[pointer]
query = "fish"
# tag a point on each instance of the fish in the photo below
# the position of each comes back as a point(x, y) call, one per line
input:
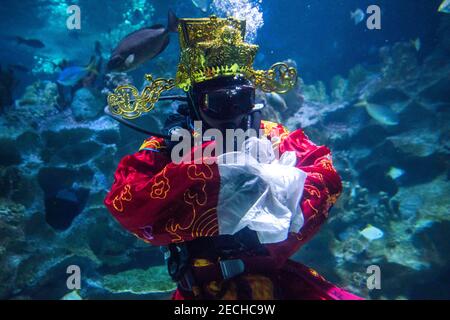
point(357, 16)
point(335, 44)
point(445, 6)
point(380, 113)
point(60, 65)
point(64, 205)
point(371, 233)
point(417, 44)
point(202, 4)
point(19, 67)
point(74, 295)
point(142, 45)
point(71, 75)
point(33, 43)
point(395, 173)
point(276, 101)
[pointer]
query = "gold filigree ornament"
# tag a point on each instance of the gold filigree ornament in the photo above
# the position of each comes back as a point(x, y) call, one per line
point(210, 48)
point(127, 102)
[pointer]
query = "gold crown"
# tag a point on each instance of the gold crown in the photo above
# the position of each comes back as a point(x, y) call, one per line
point(210, 48)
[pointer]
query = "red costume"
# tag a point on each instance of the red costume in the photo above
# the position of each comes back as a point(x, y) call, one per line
point(161, 203)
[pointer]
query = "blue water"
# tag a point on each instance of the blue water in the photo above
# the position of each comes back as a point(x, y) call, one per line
point(396, 177)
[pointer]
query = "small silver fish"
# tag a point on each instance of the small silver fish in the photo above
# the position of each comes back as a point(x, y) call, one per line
point(445, 6)
point(357, 16)
point(380, 113)
point(371, 233)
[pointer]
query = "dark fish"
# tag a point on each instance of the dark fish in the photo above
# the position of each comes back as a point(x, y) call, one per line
point(142, 45)
point(62, 207)
point(19, 67)
point(34, 43)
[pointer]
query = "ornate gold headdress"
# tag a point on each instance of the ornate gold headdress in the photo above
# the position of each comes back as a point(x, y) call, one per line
point(210, 48)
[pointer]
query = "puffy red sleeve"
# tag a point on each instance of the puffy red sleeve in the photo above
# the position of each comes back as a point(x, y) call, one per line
point(322, 188)
point(161, 202)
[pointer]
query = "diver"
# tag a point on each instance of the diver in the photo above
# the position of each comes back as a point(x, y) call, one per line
point(227, 231)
